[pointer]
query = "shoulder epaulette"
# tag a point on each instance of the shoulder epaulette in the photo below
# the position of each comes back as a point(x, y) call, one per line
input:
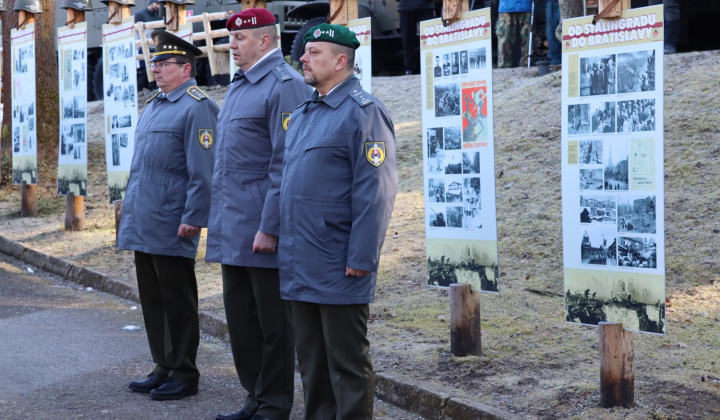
point(152, 97)
point(281, 73)
point(196, 93)
point(361, 97)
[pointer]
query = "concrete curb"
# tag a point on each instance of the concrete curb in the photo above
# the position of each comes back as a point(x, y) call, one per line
point(403, 392)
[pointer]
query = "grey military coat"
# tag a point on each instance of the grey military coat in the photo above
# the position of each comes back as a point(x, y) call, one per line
point(170, 174)
point(248, 164)
point(337, 195)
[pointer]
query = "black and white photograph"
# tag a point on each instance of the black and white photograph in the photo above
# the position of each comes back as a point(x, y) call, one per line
point(67, 139)
point(124, 121)
point(471, 162)
point(634, 301)
point(454, 216)
point(463, 62)
point(72, 179)
point(436, 216)
point(591, 179)
point(79, 107)
point(437, 68)
point(636, 72)
point(116, 150)
point(636, 214)
point(22, 58)
point(436, 164)
point(452, 138)
point(598, 209)
point(478, 59)
point(446, 64)
point(129, 49)
point(454, 193)
point(123, 138)
point(579, 119)
point(24, 169)
point(638, 115)
point(462, 261)
point(78, 133)
point(455, 63)
point(453, 164)
point(616, 166)
point(599, 246)
point(597, 75)
point(115, 70)
point(637, 252)
point(436, 190)
point(78, 78)
point(447, 100)
point(603, 117)
point(69, 109)
point(78, 152)
point(591, 152)
point(118, 93)
point(16, 140)
point(435, 141)
point(31, 124)
point(471, 203)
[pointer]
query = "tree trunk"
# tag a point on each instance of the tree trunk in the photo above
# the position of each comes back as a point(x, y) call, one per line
point(568, 9)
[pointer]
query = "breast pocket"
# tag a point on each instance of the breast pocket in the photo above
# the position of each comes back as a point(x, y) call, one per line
point(326, 169)
point(247, 141)
point(165, 149)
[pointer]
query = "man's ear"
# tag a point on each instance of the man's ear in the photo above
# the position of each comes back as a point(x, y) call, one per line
point(341, 62)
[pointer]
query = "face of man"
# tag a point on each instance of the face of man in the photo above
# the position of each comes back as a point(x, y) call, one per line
point(437, 61)
point(245, 45)
point(169, 74)
point(319, 64)
point(154, 7)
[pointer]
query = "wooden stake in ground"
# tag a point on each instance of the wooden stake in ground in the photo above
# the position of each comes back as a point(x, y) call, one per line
point(464, 321)
point(28, 192)
point(617, 374)
point(253, 4)
point(451, 10)
point(342, 11)
point(175, 14)
point(74, 206)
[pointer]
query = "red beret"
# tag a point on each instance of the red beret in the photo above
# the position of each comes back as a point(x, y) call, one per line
point(250, 18)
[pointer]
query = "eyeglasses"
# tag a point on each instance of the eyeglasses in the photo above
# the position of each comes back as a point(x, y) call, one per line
point(161, 65)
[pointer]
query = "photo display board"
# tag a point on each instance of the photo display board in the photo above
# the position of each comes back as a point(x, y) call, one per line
point(459, 151)
point(121, 111)
point(612, 170)
point(24, 115)
point(72, 82)
point(363, 55)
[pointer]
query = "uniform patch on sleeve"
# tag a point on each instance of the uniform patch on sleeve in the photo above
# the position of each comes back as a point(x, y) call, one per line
point(205, 137)
point(285, 120)
point(375, 152)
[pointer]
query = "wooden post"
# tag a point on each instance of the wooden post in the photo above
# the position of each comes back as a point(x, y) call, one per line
point(175, 16)
point(342, 11)
point(117, 12)
point(253, 4)
point(74, 212)
point(118, 215)
point(212, 59)
point(464, 321)
point(28, 200)
point(614, 12)
point(145, 47)
point(451, 10)
point(617, 375)
point(25, 17)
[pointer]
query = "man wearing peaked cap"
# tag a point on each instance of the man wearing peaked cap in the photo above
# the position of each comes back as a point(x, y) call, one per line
point(166, 204)
point(338, 189)
point(244, 214)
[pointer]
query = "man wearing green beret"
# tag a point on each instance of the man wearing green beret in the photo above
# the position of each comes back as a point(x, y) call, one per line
point(338, 189)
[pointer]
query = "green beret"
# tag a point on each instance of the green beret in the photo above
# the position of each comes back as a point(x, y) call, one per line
point(336, 34)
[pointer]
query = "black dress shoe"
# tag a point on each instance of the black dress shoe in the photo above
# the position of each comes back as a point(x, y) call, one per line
point(173, 389)
point(146, 385)
point(240, 415)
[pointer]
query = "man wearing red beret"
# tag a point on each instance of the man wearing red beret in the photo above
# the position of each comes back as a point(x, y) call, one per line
point(245, 216)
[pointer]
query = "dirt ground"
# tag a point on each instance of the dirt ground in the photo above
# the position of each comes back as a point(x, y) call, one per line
point(534, 364)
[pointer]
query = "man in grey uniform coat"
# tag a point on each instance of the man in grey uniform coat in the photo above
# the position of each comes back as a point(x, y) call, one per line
point(166, 203)
point(245, 214)
point(337, 195)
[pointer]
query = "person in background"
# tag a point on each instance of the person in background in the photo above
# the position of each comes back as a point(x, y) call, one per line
point(671, 8)
point(412, 12)
point(513, 24)
point(166, 204)
point(245, 214)
point(338, 190)
point(150, 14)
point(552, 20)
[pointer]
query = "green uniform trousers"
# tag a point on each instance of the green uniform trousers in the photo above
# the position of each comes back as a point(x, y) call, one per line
point(333, 355)
point(261, 338)
point(169, 299)
point(508, 28)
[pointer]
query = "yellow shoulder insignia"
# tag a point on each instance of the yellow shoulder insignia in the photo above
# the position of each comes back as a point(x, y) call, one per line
point(196, 93)
point(152, 97)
